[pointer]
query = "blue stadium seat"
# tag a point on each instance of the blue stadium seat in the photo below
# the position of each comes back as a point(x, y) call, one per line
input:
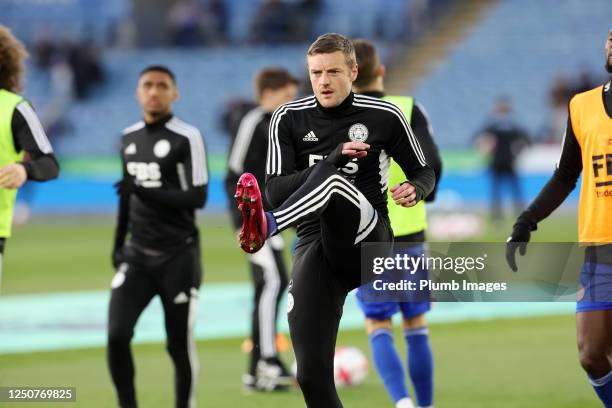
point(516, 50)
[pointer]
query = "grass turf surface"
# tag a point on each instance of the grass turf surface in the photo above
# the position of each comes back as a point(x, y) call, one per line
point(67, 254)
point(502, 363)
point(515, 363)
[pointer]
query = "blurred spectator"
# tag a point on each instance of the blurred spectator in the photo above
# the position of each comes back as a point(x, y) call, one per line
point(86, 66)
point(305, 12)
point(561, 91)
point(83, 61)
point(272, 22)
point(185, 21)
point(44, 51)
point(584, 82)
point(503, 139)
point(214, 22)
point(558, 98)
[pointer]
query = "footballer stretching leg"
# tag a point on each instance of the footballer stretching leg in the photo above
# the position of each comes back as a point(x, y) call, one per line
point(324, 265)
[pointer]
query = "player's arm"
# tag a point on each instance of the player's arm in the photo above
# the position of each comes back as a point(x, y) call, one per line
point(123, 219)
point(235, 167)
point(424, 133)
point(405, 149)
point(556, 190)
point(29, 136)
point(282, 179)
point(231, 179)
point(193, 177)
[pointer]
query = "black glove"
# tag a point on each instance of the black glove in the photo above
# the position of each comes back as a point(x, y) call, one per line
point(521, 234)
point(336, 157)
point(125, 187)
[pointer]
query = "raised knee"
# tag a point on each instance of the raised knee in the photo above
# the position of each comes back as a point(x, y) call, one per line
point(324, 168)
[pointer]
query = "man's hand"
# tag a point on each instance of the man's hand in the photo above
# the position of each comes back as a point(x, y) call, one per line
point(404, 194)
point(521, 234)
point(345, 152)
point(355, 150)
point(125, 187)
point(13, 176)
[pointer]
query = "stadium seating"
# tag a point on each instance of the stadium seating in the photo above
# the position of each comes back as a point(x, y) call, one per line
point(516, 50)
point(207, 80)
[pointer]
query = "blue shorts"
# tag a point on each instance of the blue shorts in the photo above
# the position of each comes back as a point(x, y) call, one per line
point(595, 291)
point(384, 310)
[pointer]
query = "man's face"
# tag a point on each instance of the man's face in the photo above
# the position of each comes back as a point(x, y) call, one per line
point(608, 49)
point(156, 92)
point(331, 78)
point(276, 97)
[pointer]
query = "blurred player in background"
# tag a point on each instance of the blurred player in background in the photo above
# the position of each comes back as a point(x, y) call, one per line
point(25, 151)
point(324, 178)
point(587, 148)
point(502, 140)
point(273, 87)
point(408, 225)
point(165, 177)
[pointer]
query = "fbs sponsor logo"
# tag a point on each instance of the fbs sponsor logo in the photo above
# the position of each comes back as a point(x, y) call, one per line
point(310, 137)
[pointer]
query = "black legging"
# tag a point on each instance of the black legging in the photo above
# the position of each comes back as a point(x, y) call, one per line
point(176, 282)
point(325, 268)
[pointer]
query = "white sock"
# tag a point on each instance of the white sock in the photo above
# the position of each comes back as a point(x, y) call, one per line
point(404, 403)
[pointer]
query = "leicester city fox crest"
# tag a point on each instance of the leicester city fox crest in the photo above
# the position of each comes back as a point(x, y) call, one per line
point(358, 132)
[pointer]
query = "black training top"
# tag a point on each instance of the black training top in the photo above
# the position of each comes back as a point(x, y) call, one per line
point(303, 132)
point(248, 154)
point(29, 136)
point(166, 161)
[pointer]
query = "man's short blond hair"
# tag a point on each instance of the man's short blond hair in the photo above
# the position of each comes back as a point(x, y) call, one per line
point(332, 42)
point(12, 56)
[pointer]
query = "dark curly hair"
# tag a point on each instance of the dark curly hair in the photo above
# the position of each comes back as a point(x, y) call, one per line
point(12, 56)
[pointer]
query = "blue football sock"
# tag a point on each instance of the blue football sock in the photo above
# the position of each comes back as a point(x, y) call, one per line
point(271, 221)
point(420, 364)
point(603, 388)
point(388, 364)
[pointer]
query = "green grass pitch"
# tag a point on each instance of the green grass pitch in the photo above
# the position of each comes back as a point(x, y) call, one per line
point(514, 363)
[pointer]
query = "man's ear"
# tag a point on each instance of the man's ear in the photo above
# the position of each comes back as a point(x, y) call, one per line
point(354, 72)
point(381, 71)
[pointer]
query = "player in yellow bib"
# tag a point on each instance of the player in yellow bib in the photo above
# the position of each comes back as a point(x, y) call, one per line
point(25, 151)
point(409, 225)
point(587, 148)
